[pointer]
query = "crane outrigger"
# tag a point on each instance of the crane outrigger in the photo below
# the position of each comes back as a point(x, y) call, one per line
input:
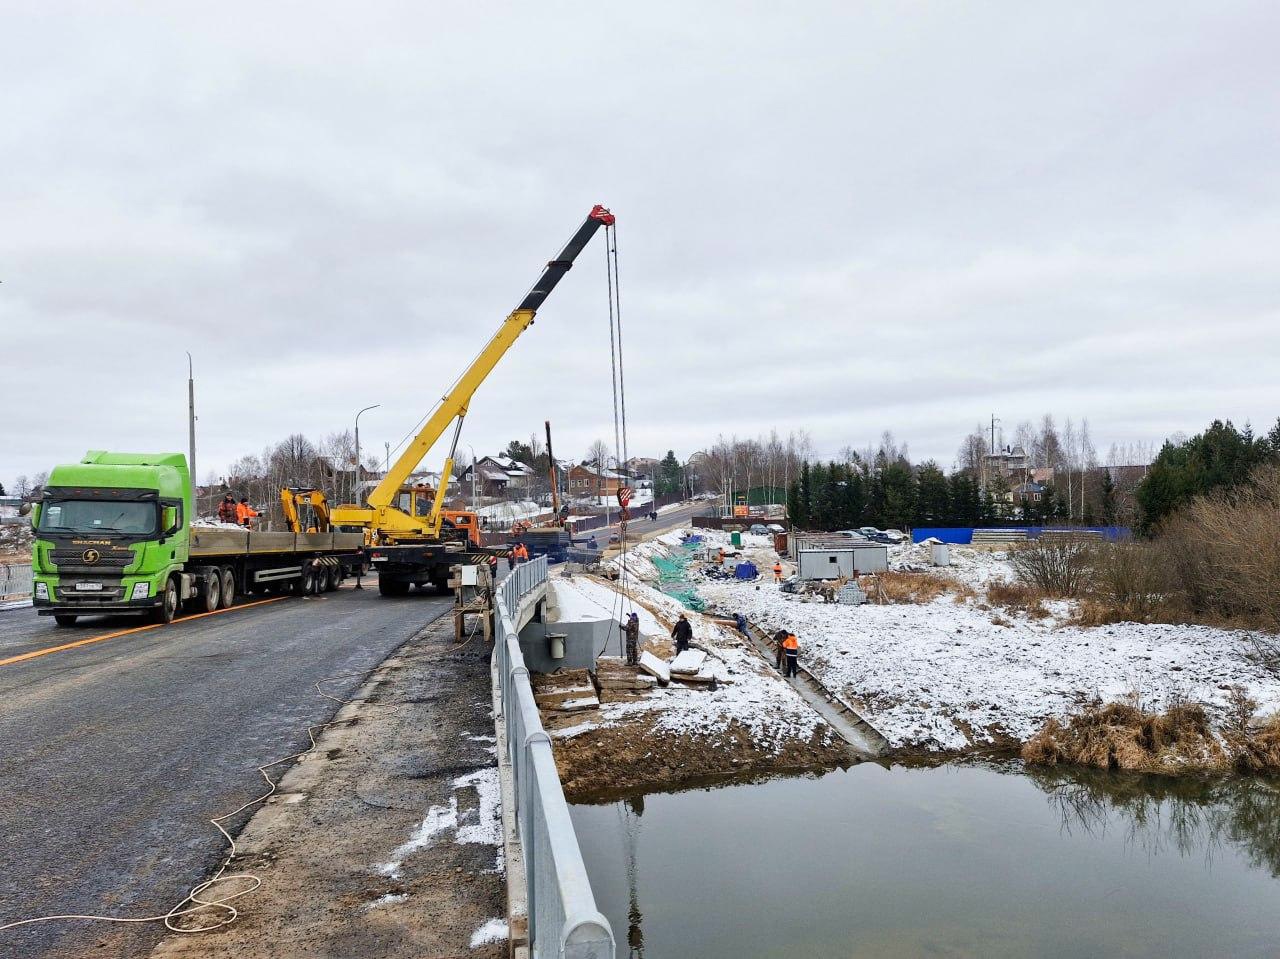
point(409, 548)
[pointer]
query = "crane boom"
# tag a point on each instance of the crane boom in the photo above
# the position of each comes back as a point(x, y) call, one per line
point(384, 518)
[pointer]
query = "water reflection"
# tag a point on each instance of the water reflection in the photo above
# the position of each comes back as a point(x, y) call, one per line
point(1161, 814)
point(956, 861)
point(631, 810)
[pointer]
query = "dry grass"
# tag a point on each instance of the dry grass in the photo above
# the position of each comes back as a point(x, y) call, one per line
point(1180, 739)
point(1259, 750)
point(1018, 597)
point(1123, 736)
point(915, 588)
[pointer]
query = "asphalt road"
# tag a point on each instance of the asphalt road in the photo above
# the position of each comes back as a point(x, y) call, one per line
point(115, 754)
point(641, 527)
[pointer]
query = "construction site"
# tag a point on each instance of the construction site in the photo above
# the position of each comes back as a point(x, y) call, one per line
point(358, 600)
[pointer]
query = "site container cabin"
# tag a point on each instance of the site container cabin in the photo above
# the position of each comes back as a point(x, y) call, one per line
point(846, 561)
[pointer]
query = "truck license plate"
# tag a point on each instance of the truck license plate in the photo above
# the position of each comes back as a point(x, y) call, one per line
point(89, 587)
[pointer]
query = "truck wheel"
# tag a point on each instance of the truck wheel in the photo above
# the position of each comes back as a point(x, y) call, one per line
point(65, 619)
point(305, 585)
point(392, 587)
point(331, 580)
point(228, 588)
point(168, 602)
point(211, 594)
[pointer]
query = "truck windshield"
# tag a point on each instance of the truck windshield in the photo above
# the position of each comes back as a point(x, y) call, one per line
point(98, 516)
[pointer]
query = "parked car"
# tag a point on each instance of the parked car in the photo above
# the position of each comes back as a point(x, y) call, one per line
point(775, 528)
point(895, 535)
point(758, 529)
point(869, 531)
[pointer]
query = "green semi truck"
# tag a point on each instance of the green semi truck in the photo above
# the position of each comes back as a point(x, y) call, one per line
point(114, 534)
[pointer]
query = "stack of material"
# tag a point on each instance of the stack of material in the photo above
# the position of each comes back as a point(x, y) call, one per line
point(851, 594)
point(693, 666)
point(567, 691)
point(998, 537)
point(620, 683)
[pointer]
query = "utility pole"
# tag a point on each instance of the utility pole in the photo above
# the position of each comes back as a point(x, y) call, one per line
point(191, 433)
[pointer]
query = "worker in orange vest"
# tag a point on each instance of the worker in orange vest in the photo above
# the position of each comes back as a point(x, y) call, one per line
point(522, 553)
point(791, 646)
point(777, 571)
point(245, 513)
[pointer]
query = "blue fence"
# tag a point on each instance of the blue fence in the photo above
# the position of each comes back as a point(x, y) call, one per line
point(963, 535)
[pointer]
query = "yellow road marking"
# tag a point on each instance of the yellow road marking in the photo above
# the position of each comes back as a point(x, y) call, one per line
point(35, 653)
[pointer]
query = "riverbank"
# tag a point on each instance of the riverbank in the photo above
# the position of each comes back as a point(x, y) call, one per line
point(747, 723)
point(956, 662)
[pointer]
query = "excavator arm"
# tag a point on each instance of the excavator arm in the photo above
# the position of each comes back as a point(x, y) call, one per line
point(381, 516)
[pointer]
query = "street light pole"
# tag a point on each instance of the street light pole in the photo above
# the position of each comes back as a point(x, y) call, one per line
point(191, 434)
point(365, 410)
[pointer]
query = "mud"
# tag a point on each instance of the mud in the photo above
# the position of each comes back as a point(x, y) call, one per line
point(610, 763)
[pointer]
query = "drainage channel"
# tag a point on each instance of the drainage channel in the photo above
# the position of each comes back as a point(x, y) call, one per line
point(861, 736)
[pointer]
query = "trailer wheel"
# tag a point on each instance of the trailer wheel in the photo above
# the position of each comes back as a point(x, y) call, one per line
point(65, 619)
point(306, 584)
point(228, 587)
point(168, 602)
point(335, 578)
point(211, 594)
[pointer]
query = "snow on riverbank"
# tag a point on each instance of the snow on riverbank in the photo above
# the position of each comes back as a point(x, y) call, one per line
point(945, 674)
point(751, 695)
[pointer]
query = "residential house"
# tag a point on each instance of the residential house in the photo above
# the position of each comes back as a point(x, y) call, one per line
point(588, 480)
point(499, 476)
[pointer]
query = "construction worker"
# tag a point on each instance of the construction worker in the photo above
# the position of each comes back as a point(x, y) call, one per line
point(511, 556)
point(632, 631)
point(227, 510)
point(522, 553)
point(245, 513)
point(791, 646)
point(778, 639)
point(682, 633)
point(777, 571)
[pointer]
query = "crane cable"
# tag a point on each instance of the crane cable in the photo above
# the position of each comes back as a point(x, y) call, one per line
point(623, 602)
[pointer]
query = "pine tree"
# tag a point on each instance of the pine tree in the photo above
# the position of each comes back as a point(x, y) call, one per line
point(1108, 499)
point(670, 476)
point(934, 496)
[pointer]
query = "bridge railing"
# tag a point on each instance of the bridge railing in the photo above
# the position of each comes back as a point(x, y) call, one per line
point(563, 919)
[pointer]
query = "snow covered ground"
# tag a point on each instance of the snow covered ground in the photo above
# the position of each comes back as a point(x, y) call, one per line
point(510, 512)
point(945, 674)
point(750, 695)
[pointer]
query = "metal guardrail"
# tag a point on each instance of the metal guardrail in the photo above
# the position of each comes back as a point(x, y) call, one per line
point(563, 919)
point(15, 580)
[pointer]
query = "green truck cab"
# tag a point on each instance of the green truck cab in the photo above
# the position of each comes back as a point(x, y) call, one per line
point(114, 534)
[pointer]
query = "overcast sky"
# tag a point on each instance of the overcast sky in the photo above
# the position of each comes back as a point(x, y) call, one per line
point(842, 217)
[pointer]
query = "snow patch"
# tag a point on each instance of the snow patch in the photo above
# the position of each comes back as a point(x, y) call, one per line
point(495, 930)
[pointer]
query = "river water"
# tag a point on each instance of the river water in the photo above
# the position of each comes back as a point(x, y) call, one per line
point(959, 860)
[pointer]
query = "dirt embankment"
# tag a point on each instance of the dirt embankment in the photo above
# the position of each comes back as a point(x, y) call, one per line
point(609, 763)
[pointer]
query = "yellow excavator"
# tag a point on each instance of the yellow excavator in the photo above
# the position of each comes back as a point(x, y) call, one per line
point(406, 547)
point(306, 510)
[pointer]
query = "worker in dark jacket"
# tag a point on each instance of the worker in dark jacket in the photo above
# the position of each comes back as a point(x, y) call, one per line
point(632, 631)
point(227, 510)
point(682, 633)
point(779, 638)
point(791, 646)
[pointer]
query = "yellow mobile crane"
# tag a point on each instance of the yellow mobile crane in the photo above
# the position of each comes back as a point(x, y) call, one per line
point(407, 548)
